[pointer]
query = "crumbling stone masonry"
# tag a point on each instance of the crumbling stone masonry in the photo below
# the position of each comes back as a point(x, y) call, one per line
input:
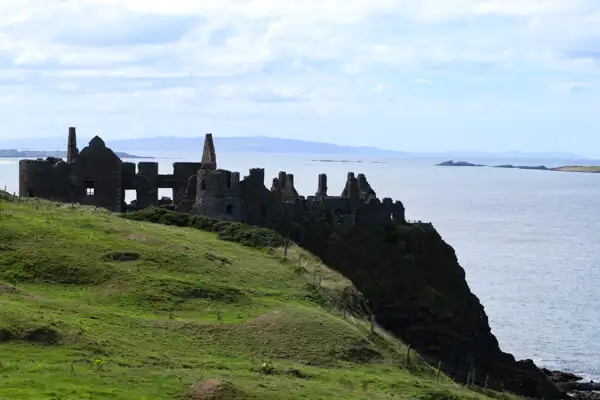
point(96, 176)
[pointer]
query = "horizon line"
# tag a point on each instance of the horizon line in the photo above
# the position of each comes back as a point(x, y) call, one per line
point(449, 152)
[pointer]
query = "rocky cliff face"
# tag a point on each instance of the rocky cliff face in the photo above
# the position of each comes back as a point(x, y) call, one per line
point(418, 291)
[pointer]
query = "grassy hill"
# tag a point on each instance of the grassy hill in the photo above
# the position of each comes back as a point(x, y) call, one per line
point(95, 306)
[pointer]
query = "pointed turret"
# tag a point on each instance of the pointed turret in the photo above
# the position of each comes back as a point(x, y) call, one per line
point(209, 157)
point(72, 150)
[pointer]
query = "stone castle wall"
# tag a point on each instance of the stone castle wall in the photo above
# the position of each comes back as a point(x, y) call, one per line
point(96, 176)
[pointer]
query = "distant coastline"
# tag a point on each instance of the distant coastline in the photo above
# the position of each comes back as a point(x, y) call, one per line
point(591, 169)
point(278, 145)
point(13, 153)
point(349, 161)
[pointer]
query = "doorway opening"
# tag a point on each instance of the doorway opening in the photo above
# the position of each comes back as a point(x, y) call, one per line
point(130, 200)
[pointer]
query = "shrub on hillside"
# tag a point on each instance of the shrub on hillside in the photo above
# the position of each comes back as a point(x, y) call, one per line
point(247, 235)
point(39, 266)
point(5, 195)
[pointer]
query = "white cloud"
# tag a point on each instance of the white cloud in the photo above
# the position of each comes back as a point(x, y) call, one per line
point(263, 30)
point(253, 56)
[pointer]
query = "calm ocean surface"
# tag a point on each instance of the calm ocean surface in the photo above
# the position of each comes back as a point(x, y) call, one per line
point(528, 240)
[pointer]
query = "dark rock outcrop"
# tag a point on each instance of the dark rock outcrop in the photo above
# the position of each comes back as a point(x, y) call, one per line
point(534, 167)
point(451, 163)
point(580, 386)
point(561, 377)
point(585, 396)
point(574, 385)
point(418, 291)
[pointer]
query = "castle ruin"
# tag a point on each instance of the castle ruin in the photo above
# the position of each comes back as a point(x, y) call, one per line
point(97, 176)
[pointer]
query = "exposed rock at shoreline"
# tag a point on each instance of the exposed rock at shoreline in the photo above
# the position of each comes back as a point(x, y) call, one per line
point(561, 377)
point(571, 384)
point(585, 395)
point(580, 386)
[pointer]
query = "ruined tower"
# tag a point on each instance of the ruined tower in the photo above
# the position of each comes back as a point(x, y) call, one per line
point(289, 192)
point(322, 188)
point(365, 189)
point(209, 157)
point(72, 150)
point(214, 186)
point(351, 189)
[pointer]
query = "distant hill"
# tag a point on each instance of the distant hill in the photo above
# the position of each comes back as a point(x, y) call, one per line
point(14, 153)
point(229, 144)
point(253, 144)
point(266, 144)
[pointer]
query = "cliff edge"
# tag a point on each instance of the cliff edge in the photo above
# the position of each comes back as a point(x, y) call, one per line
point(417, 290)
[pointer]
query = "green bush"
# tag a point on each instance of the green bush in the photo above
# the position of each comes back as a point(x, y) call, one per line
point(5, 195)
point(244, 234)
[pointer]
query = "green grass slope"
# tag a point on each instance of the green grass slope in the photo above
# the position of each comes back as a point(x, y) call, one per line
point(94, 306)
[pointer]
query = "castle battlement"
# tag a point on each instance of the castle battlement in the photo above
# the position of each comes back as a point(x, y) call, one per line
point(96, 176)
point(39, 161)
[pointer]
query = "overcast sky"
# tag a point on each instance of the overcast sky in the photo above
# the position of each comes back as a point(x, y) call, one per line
point(416, 75)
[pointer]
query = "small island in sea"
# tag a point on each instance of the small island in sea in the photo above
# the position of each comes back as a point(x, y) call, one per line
point(564, 168)
point(14, 153)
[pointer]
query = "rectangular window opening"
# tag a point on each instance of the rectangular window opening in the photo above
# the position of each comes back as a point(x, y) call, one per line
point(89, 187)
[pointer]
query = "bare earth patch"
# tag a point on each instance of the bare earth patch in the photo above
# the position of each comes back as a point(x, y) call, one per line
point(139, 238)
point(7, 288)
point(266, 320)
point(214, 389)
